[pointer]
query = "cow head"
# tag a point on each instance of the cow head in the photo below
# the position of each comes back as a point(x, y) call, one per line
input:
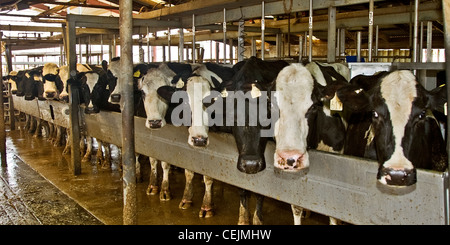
point(12, 79)
point(305, 121)
point(64, 76)
point(155, 106)
point(33, 86)
point(50, 80)
point(404, 135)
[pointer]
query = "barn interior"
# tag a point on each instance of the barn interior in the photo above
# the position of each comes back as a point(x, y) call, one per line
point(406, 34)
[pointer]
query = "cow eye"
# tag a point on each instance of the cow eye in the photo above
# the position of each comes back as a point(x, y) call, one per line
point(422, 114)
point(374, 114)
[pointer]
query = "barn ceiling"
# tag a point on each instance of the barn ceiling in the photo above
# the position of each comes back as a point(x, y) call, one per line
point(395, 17)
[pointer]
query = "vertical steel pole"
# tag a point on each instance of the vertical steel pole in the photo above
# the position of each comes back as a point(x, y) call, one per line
point(331, 44)
point(224, 36)
point(376, 42)
point(358, 46)
point(101, 48)
point(420, 53)
point(148, 46)
point(446, 14)
point(370, 30)
point(429, 41)
point(74, 99)
point(263, 28)
point(181, 46)
point(415, 38)
point(126, 77)
point(169, 44)
point(193, 40)
point(310, 29)
point(241, 41)
point(2, 119)
point(300, 49)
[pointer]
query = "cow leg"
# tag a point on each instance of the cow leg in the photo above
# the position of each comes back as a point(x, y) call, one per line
point(107, 158)
point(257, 217)
point(164, 195)
point(82, 145)
point(207, 209)
point(153, 188)
point(87, 156)
point(51, 134)
point(99, 156)
point(32, 127)
point(68, 147)
point(58, 136)
point(297, 212)
point(244, 215)
point(138, 170)
point(27, 122)
point(188, 193)
point(38, 131)
point(334, 221)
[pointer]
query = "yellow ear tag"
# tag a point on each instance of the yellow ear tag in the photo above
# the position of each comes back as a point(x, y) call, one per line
point(255, 91)
point(180, 84)
point(27, 75)
point(137, 74)
point(336, 104)
point(224, 93)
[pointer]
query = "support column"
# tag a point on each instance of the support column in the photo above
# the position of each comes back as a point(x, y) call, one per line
point(331, 44)
point(2, 121)
point(127, 108)
point(310, 29)
point(370, 30)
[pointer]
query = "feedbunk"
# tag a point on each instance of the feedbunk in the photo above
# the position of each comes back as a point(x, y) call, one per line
point(343, 187)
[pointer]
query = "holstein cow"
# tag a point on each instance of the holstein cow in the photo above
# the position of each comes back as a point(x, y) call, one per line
point(255, 76)
point(402, 134)
point(140, 72)
point(198, 85)
point(305, 120)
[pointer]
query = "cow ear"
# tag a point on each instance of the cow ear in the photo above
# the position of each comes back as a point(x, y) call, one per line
point(437, 98)
point(354, 98)
point(166, 92)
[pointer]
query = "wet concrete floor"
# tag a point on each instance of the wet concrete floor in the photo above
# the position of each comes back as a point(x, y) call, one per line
point(38, 187)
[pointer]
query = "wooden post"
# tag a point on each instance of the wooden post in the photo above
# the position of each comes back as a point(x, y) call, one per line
point(74, 100)
point(128, 149)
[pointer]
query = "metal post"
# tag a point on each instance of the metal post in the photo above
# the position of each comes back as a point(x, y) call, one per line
point(128, 149)
point(376, 41)
point(370, 30)
point(310, 29)
point(224, 36)
point(358, 46)
point(181, 46)
point(74, 100)
point(241, 41)
point(253, 46)
point(193, 40)
point(420, 53)
point(429, 41)
point(169, 44)
point(342, 43)
point(300, 49)
point(415, 38)
point(446, 13)
point(101, 48)
point(2, 120)
point(148, 45)
point(80, 50)
point(263, 28)
point(331, 44)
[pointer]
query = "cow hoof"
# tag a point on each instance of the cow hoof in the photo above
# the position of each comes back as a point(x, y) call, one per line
point(306, 214)
point(86, 159)
point(164, 195)
point(206, 212)
point(152, 190)
point(185, 204)
point(257, 220)
point(66, 151)
point(243, 221)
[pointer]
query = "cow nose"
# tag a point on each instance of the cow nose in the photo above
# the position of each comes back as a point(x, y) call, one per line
point(115, 98)
point(90, 110)
point(65, 98)
point(14, 91)
point(290, 161)
point(29, 97)
point(251, 164)
point(397, 177)
point(154, 123)
point(200, 141)
point(50, 95)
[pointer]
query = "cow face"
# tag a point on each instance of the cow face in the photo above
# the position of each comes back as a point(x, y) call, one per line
point(155, 106)
point(13, 79)
point(33, 86)
point(64, 76)
point(401, 128)
point(306, 121)
point(50, 79)
point(113, 73)
point(90, 92)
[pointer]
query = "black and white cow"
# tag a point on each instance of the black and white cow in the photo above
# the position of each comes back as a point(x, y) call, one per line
point(32, 84)
point(52, 85)
point(400, 130)
point(305, 119)
point(140, 72)
point(198, 85)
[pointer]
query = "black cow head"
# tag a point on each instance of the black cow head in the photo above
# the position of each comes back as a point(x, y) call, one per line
point(405, 134)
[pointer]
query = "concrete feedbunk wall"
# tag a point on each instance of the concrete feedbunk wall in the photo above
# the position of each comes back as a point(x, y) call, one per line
point(339, 186)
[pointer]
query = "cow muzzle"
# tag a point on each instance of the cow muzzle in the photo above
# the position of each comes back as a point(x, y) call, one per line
point(154, 124)
point(91, 110)
point(291, 160)
point(29, 97)
point(397, 177)
point(115, 98)
point(251, 164)
point(14, 91)
point(50, 95)
point(200, 141)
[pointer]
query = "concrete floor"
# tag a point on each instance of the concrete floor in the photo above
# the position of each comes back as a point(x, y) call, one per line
point(38, 187)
